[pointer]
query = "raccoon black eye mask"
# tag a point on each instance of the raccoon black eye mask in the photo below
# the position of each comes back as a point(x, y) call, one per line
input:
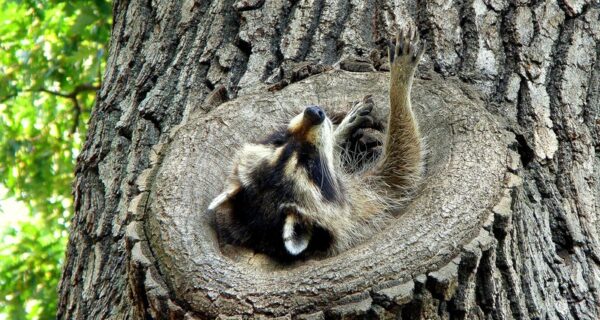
point(289, 195)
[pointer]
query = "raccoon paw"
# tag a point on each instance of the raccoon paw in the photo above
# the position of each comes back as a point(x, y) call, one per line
point(359, 117)
point(406, 52)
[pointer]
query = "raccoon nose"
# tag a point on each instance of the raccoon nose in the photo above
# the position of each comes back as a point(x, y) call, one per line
point(314, 115)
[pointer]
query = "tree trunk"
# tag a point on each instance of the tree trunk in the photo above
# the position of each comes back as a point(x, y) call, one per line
point(505, 225)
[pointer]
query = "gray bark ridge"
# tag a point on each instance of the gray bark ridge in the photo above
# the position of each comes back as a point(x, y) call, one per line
point(466, 164)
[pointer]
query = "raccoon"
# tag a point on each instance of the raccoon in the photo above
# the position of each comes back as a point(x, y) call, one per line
point(290, 196)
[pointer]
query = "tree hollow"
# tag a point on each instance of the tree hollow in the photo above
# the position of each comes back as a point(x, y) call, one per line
point(465, 165)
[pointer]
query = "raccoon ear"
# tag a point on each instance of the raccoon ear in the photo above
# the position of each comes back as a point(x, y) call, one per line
point(223, 198)
point(296, 234)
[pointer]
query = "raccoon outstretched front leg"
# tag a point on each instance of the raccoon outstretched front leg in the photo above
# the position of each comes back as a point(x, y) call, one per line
point(401, 165)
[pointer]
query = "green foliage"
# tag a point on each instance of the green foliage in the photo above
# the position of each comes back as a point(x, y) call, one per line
point(52, 55)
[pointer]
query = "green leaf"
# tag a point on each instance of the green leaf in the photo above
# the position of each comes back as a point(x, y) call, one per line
point(84, 19)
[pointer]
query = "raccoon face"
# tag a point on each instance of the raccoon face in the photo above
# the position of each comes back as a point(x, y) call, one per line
point(277, 188)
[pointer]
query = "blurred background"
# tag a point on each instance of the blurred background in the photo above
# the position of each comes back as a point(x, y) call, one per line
point(52, 57)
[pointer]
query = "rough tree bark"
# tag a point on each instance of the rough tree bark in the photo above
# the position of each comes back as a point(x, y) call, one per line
point(520, 81)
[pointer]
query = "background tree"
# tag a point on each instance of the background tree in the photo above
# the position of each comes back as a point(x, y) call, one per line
point(52, 54)
point(535, 65)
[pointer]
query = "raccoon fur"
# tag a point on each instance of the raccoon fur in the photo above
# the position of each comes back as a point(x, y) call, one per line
point(291, 196)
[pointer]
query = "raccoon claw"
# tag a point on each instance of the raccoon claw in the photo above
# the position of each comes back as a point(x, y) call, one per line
point(363, 107)
point(359, 113)
point(407, 49)
point(362, 121)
